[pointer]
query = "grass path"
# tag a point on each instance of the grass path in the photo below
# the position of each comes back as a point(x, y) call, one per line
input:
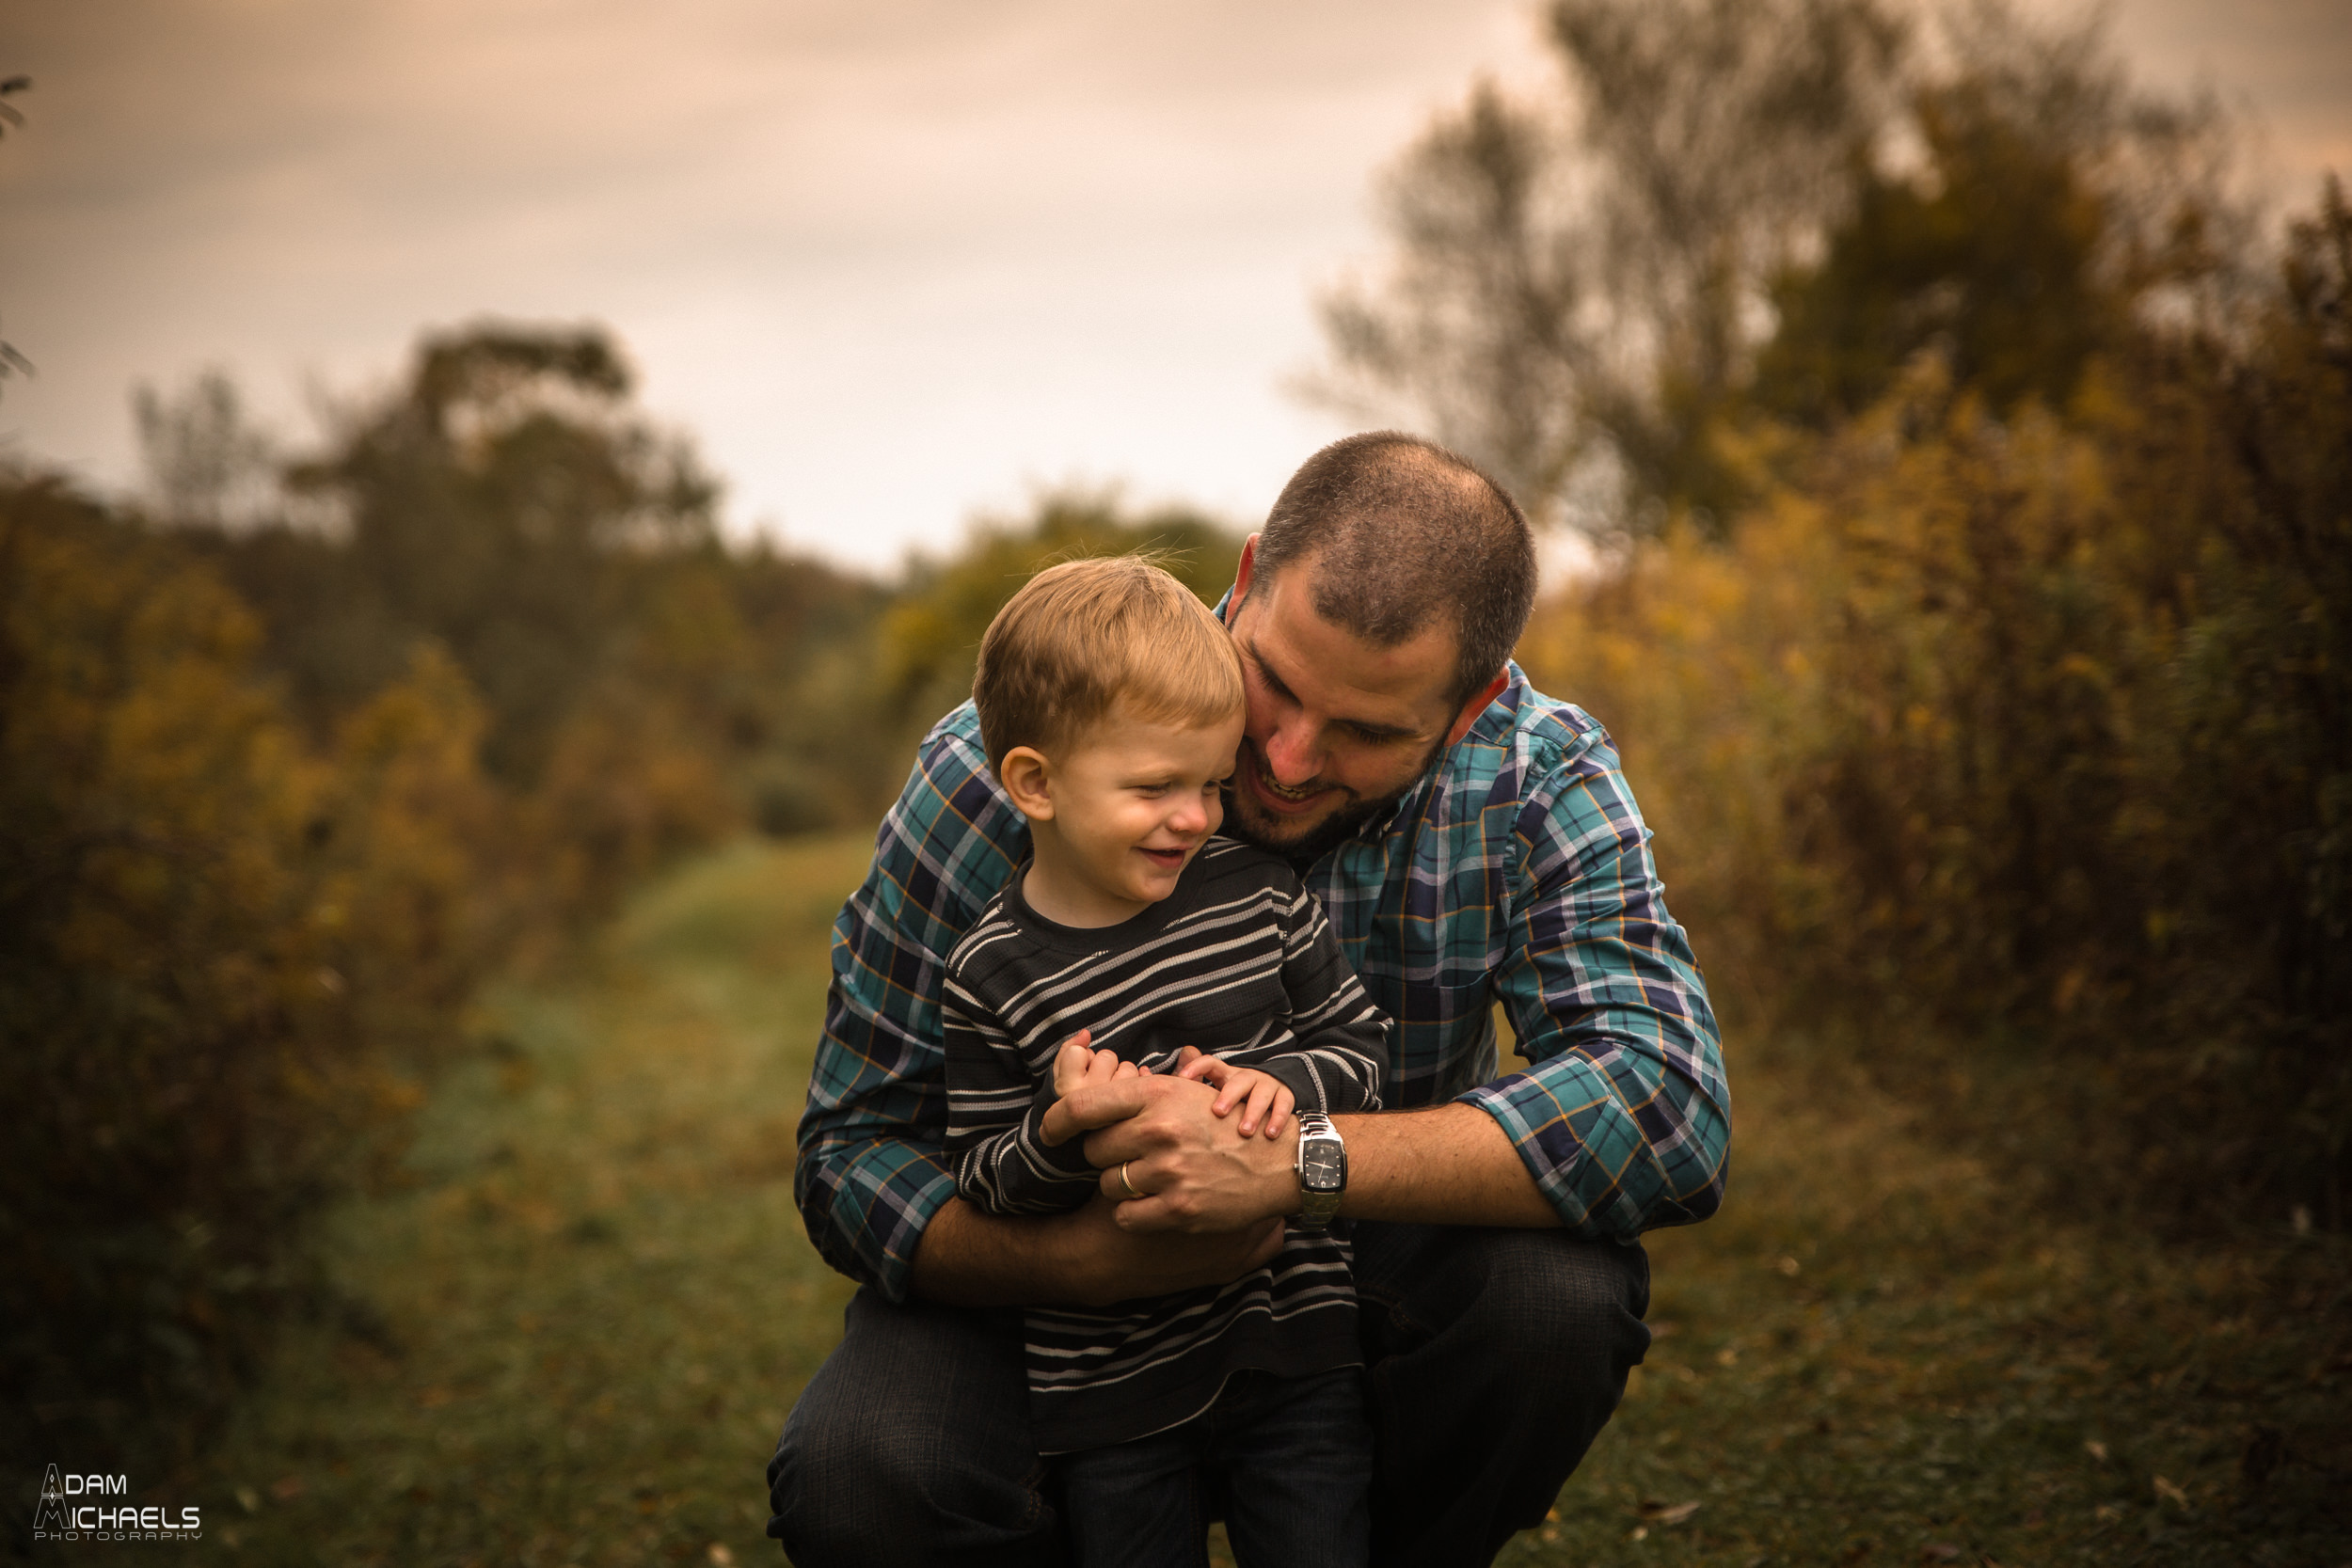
point(578, 1327)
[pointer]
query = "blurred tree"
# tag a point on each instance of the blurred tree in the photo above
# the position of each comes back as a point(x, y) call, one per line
point(206, 464)
point(495, 504)
point(1746, 208)
point(2019, 750)
point(931, 638)
point(647, 686)
point(2046, 215)
point(13, 362)
point(221, 952)
point(1574, 287)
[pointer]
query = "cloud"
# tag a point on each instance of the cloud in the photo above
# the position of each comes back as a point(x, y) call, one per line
point(888, 259)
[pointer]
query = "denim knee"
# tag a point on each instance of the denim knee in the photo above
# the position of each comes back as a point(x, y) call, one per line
point(1537, 1315)
point(912, 1445)
point(1564, 1301)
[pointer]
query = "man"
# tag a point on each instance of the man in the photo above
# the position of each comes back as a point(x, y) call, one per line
point(1471, 840)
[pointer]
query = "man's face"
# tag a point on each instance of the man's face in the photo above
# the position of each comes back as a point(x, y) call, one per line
point(1337, 728)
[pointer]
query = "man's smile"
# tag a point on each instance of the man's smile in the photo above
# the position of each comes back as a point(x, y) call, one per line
point(1272, 792)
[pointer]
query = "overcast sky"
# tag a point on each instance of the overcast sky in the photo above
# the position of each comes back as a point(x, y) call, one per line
point(889, 262)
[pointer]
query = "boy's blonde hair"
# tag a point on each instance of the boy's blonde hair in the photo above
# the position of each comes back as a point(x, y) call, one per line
point(1088, 635)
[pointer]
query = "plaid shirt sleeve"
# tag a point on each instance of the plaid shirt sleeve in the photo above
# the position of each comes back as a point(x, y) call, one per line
point(872, 1168)
point(1624, 1116)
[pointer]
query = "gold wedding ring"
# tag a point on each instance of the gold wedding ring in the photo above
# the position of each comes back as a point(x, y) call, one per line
point(1123, 1181)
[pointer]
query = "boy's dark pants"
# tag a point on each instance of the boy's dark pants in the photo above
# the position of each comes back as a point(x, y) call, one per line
point(1288, 1458)
point(1493, 1358)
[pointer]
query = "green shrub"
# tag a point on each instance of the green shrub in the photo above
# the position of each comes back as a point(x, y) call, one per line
point(223, 954)
point(2025, 744)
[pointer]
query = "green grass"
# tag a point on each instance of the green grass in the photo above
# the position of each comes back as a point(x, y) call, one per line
point(586, 1317)
point(1872, 1356)
point(578, 1323)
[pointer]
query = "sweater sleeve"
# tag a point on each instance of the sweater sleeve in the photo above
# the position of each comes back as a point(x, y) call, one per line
point(996, 1117)
point(1336, 1049)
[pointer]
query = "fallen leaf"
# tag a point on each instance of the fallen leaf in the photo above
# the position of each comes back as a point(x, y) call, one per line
point(720, 1556)
point(1790, 1267)
point(2170, 1493)
point(1666, 1513)
point(1940, 1551)
point(2096, 1450)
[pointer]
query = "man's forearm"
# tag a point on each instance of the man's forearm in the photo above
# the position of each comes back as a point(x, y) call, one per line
point(969, 1257)
point(1449, 1165)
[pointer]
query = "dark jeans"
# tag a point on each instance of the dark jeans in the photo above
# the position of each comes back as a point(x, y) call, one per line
point(1493, 1358)
point(1289, 1459)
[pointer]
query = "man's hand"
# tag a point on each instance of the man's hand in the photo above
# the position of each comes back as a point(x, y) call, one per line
point(1085, 1258)
point(1198, 1173)
point(1448, 1164)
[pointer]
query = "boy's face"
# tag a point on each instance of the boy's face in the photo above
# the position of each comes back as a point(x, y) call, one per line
point(1132, 803)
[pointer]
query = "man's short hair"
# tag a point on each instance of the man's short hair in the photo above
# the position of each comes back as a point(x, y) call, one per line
point(1086, 635)
point(1399, 531)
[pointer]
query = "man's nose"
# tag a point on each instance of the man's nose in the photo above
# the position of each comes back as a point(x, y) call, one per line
point(1292, 752)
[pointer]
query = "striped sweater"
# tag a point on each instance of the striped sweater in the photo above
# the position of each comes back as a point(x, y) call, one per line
point(1238, 961)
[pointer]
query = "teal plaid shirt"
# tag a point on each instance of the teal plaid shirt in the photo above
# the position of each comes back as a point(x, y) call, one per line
point(1517, 870)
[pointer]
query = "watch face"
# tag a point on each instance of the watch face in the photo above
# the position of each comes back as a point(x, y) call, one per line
point(1322, 1164)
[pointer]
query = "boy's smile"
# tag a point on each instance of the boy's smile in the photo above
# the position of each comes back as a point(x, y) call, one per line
point(1118, 814)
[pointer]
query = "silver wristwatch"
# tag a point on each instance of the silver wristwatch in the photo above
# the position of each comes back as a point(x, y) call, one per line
point(1321, 1170)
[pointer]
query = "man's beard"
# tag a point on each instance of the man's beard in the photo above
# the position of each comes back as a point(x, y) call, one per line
point(1326, 835)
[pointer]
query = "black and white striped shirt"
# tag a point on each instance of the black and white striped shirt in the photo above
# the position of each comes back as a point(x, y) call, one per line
point(1238, 961)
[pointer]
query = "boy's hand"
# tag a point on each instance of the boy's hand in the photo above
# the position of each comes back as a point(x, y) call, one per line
point(1077, 1063)
point(1265, 1099)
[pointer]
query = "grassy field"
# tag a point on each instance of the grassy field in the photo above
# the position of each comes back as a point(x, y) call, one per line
point(573, 1331)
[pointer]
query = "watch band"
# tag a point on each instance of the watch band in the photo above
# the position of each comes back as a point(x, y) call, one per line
point(1322, 1167)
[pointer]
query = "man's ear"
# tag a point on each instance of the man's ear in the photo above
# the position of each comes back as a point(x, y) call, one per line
point(1242, 574)
point(1476, 706)
point(1027, 777)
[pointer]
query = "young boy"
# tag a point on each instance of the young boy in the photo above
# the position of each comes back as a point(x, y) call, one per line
point(1110, 704)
